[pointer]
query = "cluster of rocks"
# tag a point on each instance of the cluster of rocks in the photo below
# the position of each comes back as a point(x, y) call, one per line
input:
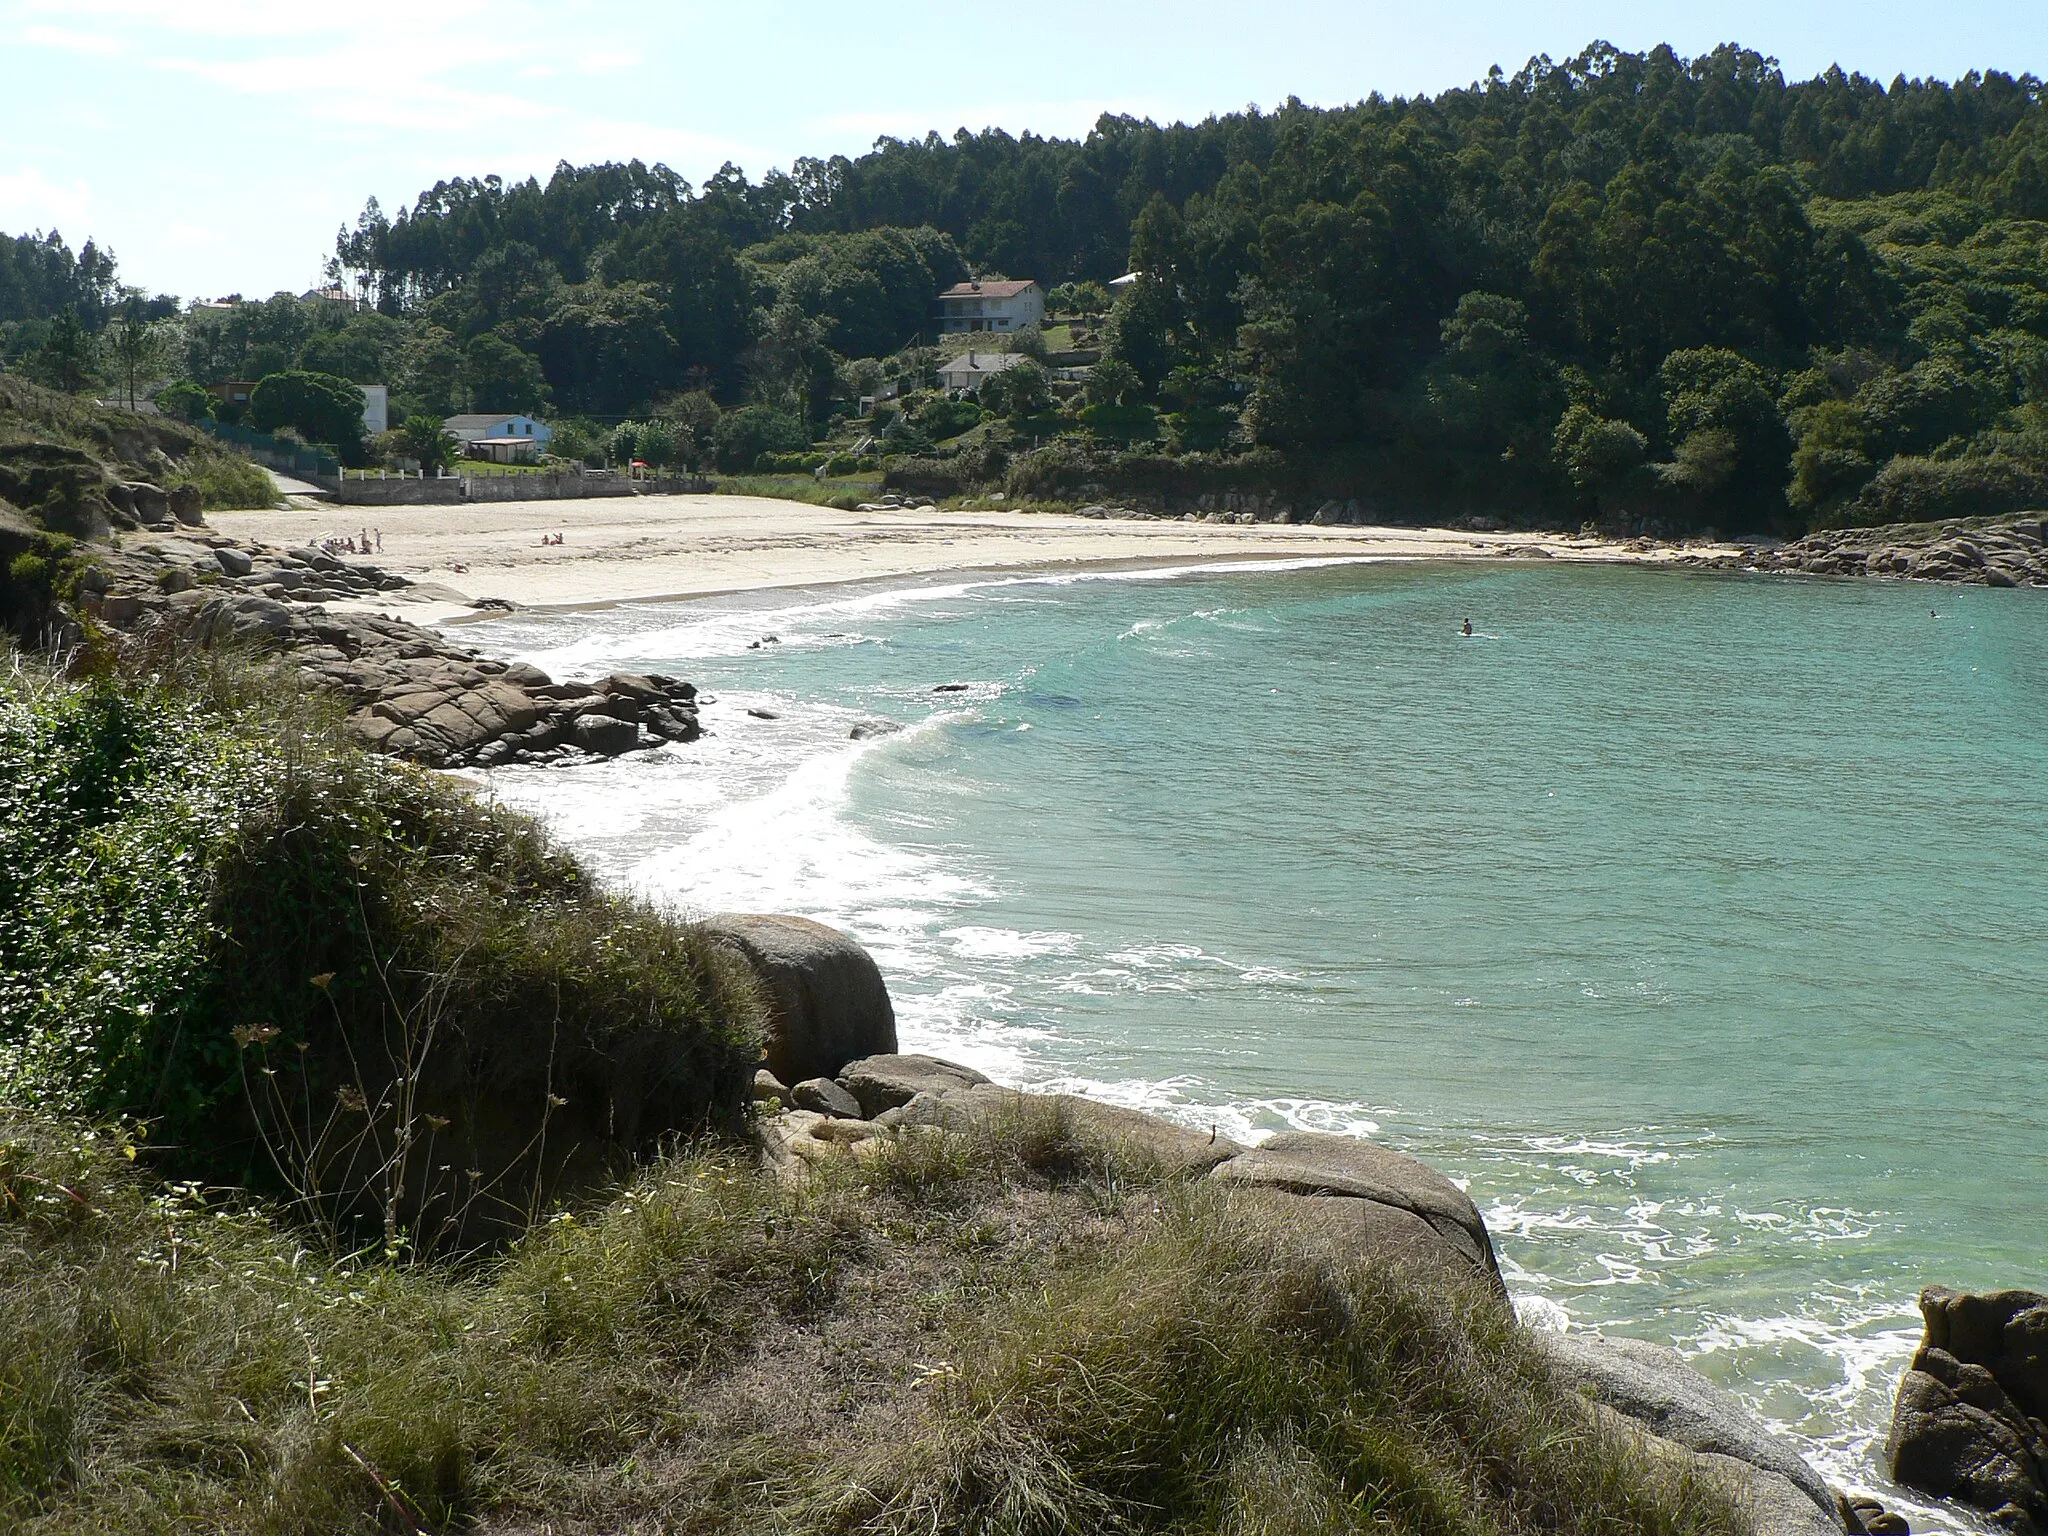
point(151, 506)
point(895, 503)
point(220, 564)
point(464, 710)
point(1971, 1422)
point(2007, 553)
point(410, 693)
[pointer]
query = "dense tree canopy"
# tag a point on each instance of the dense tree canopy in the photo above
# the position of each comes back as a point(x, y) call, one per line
point(1663, 291)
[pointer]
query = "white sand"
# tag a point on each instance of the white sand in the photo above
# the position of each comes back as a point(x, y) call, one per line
point(650, 547)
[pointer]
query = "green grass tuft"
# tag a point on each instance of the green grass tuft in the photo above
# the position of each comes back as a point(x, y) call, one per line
point(227, 481)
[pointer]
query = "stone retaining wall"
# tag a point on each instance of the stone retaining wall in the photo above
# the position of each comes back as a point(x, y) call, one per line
point(399, 493)
point(456, 489)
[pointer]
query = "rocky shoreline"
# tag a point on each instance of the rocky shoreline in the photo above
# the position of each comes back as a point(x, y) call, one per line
point(410, 693)
point(1984, 552)
point(1971, 1421)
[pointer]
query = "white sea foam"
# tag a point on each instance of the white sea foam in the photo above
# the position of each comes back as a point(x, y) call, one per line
point(637, 631)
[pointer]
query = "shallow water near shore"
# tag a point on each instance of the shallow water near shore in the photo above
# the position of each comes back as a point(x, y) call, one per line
point(1695, 923)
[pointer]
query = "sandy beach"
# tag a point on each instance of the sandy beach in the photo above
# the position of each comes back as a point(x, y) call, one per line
point(648, 548)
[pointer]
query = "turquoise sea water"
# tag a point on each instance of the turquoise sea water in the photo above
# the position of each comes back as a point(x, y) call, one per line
point(1698, 924)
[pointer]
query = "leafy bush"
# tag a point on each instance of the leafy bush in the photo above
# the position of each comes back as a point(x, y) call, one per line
point(927, 477)
point(742, 436)
point(1121, 423)
point(186, 401)
point(789, 463)
point(227, 482)
point(37, 571)
point(1202, 428)
point(1911, 490)
point(318, 406)
point(218, 917)
point(940, 418)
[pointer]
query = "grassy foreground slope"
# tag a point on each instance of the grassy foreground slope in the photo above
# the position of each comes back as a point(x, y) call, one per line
point(1005, 1332)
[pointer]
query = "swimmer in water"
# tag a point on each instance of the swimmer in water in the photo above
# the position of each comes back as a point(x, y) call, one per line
point(1468, 627)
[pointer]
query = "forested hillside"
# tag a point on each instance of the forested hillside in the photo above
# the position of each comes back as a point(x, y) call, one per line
point(1668, 293)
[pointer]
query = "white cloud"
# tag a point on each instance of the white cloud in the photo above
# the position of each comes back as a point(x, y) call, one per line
point(30, 200)
point(67, 40)
point(233, 20)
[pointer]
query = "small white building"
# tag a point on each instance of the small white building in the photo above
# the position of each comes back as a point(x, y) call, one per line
point(478, 426)
point(970, 370)
point(376, 408)
point(991, 306)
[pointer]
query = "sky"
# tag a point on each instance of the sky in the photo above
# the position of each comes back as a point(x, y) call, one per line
point(217, 145)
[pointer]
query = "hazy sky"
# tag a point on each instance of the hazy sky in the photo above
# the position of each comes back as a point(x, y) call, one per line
point(217, 144)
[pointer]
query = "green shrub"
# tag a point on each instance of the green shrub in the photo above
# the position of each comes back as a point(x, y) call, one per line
point(788, 463)
point(218, 917)
point(1121, 423)
point(1911, 490)
point(185, 401)
point(41, 570)
point(742, 436)
point(320, 407)
point(227, 482)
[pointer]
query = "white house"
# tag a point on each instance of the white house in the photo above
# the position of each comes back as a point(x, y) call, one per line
point(970, 370)
point(478, 426)
point(991, 306)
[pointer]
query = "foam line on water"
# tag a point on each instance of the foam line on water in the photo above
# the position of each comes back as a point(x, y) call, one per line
point(730, 630)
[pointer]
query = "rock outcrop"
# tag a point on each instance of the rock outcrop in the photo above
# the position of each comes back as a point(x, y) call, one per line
point(1173, 1150)
point(1371, 1197)
point(827, 1004)
point(890, 1081)
point(1338, 1193)
point(410, 693)
point(1662, 1397)
point(1971, 1423)
point(2004, 552)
